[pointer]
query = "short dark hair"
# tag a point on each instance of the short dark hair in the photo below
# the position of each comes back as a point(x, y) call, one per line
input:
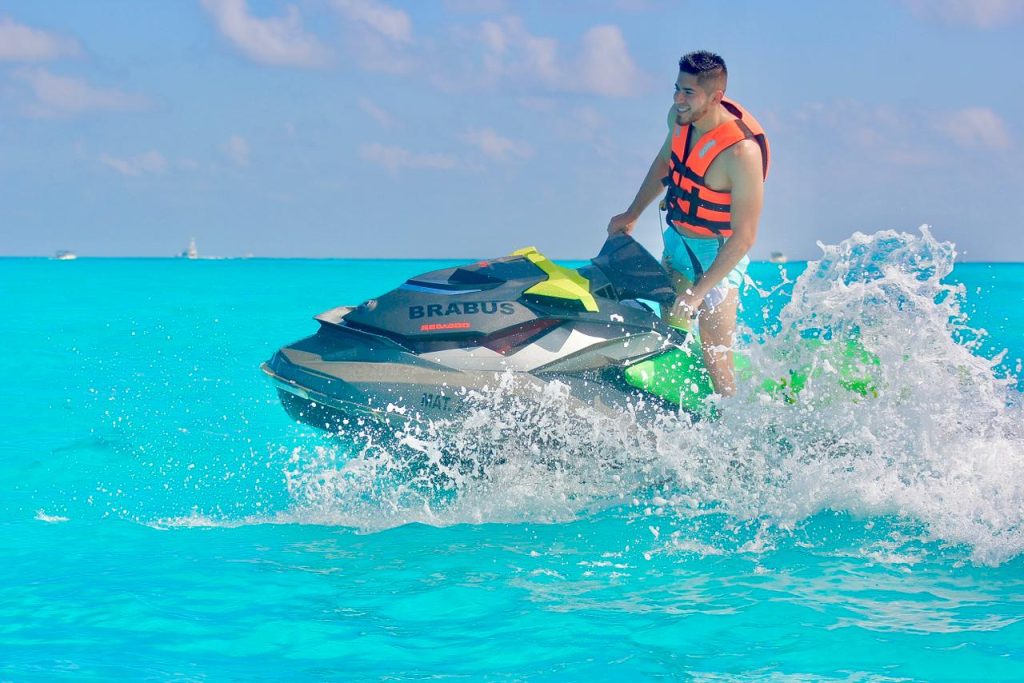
point(708, 67)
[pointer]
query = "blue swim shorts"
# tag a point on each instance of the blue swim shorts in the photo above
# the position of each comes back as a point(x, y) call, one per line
point(691, 258)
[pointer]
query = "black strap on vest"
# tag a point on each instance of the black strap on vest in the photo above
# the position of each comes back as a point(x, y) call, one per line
point(674, 193)
point(698, 269)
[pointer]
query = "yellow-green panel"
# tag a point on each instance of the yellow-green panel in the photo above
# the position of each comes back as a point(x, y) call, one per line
point(562, 283)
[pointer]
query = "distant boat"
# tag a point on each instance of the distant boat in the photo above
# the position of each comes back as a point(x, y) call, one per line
point(778, 257)
point(191, 252)
point(65, 255)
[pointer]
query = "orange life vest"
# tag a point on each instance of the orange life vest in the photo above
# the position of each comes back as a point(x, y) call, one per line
point(690, 203)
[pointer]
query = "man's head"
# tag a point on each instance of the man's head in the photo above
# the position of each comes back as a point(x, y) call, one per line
point(700, 86)
point(708, 67)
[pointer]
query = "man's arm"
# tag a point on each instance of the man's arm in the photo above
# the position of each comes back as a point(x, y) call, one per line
point(650, 189)
point(744, 168)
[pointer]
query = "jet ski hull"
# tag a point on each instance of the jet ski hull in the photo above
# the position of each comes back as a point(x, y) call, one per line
point(333, 395)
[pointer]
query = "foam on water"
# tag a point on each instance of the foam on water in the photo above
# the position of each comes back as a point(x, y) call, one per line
point(49, 519)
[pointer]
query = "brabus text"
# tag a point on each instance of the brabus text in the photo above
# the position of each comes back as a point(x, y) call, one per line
point(463, 308)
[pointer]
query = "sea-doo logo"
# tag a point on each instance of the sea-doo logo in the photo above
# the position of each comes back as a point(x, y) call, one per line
point(463, 308)
point(437, 327)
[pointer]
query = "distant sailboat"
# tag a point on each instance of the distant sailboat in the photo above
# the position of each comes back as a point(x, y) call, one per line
point(191, 252)
point(778, 257)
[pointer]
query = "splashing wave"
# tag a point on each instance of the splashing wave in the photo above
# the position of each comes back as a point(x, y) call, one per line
point(940, 446)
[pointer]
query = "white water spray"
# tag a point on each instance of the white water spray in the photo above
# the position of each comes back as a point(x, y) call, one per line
point(940, 446)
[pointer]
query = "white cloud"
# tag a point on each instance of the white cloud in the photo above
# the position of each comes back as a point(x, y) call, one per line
point(975, 128)
point(515, 51)
point(273, 40)
point(896, 135)
point(541, 104)
point(587, 125)
point(978, 13)
point(493, 36)
point(496, 146)
point(20, 43)
point(603, 65)
point(882, 133)
point(57, 96)
point(638, 5)
point(378, 37)
point(237, 150)
point(395, 158)
point(150, 162)
point(387, 21)
point(475, 6)
point(382, 117)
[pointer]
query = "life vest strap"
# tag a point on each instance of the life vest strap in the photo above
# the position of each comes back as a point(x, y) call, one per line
point(715, 228)
point(692, 195)
point(679, 218)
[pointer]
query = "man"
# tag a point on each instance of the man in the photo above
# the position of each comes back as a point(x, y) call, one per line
point(714, 162)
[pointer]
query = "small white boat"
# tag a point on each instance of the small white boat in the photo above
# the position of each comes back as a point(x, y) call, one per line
point(778, 257)
point(191, 252)
point(65, 255)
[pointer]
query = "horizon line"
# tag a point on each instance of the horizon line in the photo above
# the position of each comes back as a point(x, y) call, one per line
point(959, 259)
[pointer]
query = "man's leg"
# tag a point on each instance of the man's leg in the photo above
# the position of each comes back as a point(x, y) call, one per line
point(717, 330)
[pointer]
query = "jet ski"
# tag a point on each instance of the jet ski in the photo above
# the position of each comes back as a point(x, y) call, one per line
point(423, 349)
point(428, 349)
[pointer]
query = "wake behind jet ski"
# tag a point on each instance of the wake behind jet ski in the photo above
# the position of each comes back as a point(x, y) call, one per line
point(419, 350)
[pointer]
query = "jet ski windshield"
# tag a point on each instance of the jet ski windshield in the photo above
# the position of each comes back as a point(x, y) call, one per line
point(625, 270)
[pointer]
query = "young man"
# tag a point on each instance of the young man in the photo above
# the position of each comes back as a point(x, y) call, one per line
point(714, 162)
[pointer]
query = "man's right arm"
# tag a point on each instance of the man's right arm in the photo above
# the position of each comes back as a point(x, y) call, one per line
point(650, 189)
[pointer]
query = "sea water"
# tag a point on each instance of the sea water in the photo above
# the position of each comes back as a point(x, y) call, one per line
point(163, 519)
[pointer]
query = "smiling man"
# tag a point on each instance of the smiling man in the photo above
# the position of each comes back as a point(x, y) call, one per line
point(713, 164)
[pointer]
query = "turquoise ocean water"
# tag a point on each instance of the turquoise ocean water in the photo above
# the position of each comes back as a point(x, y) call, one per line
point(163, 519)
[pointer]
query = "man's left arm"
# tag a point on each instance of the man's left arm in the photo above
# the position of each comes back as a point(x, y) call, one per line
point(744, 167)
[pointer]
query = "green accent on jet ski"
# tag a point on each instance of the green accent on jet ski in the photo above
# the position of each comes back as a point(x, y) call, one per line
point(849, 364)
point(679, 376)
point(562, 283)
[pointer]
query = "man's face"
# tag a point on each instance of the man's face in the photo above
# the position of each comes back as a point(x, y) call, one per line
point(692, 101)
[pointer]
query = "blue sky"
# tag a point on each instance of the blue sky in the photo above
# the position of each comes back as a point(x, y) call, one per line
point(469, 128)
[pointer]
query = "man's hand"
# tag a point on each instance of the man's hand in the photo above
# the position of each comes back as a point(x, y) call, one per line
point(687, 306)
point(623, 223)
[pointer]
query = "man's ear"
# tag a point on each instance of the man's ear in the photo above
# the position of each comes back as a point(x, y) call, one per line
point(716, 97)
